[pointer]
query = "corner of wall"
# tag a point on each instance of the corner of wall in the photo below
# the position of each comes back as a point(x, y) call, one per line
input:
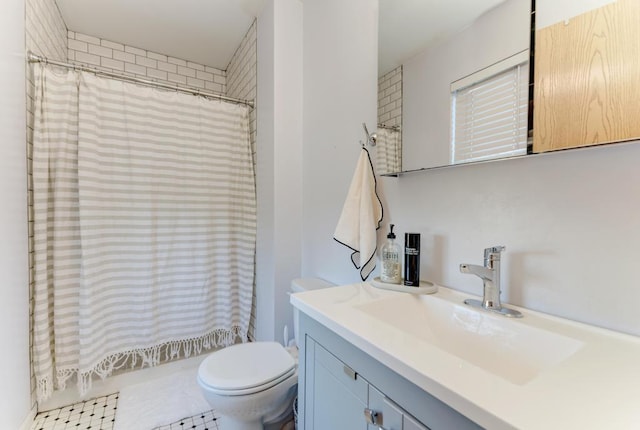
point(340, 93)
point(279, 171)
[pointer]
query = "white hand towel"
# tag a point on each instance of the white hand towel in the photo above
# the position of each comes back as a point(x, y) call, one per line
point(361, 216)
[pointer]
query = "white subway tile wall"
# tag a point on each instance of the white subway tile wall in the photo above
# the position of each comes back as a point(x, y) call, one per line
point(45, 34)
point(132, 61)
point(242, 76)
point(241, 71)
point(390, 98)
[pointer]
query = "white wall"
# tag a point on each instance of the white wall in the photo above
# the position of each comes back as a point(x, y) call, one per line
point(496, 35)
point(279, 170)
point(549, 12)
point(14, 281)
point(570, 220)
point(340, 93)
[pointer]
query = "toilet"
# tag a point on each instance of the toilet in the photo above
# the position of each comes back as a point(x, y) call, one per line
point(253, 385)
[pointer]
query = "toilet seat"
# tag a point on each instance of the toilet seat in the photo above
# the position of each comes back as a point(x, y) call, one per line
point(251, 390)
point(246, 368)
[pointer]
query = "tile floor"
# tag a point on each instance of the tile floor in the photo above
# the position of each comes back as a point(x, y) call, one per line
point(205, 421)
point(94, 414)
point(99, 414)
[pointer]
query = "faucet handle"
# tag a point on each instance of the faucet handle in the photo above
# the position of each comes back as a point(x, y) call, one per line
point(493, 253)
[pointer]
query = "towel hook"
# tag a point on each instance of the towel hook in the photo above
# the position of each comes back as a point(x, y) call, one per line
point(371, 138)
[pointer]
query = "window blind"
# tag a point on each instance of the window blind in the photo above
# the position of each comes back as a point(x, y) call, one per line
point(489, 115)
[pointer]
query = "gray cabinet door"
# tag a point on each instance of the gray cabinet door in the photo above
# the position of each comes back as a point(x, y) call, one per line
point(335, 396)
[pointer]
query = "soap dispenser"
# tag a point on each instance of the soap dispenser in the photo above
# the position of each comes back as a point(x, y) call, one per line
point(390, 272)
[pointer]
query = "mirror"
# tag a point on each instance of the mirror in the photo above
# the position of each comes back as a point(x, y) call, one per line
point(426, 46)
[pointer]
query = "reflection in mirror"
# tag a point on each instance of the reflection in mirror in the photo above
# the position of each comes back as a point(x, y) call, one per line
point(389, 143)
point(421, 83)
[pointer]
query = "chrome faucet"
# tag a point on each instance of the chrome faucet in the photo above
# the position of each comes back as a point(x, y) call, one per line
point(490, 275)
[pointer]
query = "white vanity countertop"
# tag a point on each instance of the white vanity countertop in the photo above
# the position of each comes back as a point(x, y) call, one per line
point(578, 377)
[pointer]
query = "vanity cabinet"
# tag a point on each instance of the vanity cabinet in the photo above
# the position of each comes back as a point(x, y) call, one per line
point(337, 396)
point(338, 381)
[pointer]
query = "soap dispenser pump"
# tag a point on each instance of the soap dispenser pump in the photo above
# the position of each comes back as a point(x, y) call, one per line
point(390, 272)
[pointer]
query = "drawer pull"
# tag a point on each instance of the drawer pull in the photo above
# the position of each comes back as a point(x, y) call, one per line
point(373, 417)
point(349, 372)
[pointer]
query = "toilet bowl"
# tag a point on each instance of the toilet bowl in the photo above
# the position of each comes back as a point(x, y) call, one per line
point(249, 384)
point(252, 385)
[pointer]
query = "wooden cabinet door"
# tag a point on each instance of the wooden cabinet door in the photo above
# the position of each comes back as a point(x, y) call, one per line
point(587, 78)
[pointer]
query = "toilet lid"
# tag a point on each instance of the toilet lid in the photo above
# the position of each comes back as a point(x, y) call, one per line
point(245, 366)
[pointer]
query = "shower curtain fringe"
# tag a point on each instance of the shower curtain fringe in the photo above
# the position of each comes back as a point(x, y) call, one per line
point(149, 357)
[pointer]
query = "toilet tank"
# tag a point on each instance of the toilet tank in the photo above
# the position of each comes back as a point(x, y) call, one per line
point(305, 284)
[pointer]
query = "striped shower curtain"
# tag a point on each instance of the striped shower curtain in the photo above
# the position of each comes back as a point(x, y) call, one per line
point(144, 226)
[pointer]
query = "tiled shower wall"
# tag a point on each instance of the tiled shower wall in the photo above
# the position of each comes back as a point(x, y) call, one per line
point(135, 62)
point(242, 75)
point(45, 34)
point(390, 98)
point(241, 71)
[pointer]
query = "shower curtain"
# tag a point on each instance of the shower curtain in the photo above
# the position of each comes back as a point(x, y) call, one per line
point(389, 150)
point(144, 226)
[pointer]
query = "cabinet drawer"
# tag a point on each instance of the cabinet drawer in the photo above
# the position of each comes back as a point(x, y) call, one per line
point(392, 416)
point(389, 413)
point(410, 423)
point(344, 374)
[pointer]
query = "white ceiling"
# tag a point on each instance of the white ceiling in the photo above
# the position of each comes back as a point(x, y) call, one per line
point(209, 31)
point(408, 27)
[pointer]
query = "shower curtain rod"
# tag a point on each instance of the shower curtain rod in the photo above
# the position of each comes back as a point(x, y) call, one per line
point(33, 58)
point(389, 127)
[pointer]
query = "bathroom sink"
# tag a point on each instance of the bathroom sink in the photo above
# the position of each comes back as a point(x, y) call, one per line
point(502, 373)
point(507, 348)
